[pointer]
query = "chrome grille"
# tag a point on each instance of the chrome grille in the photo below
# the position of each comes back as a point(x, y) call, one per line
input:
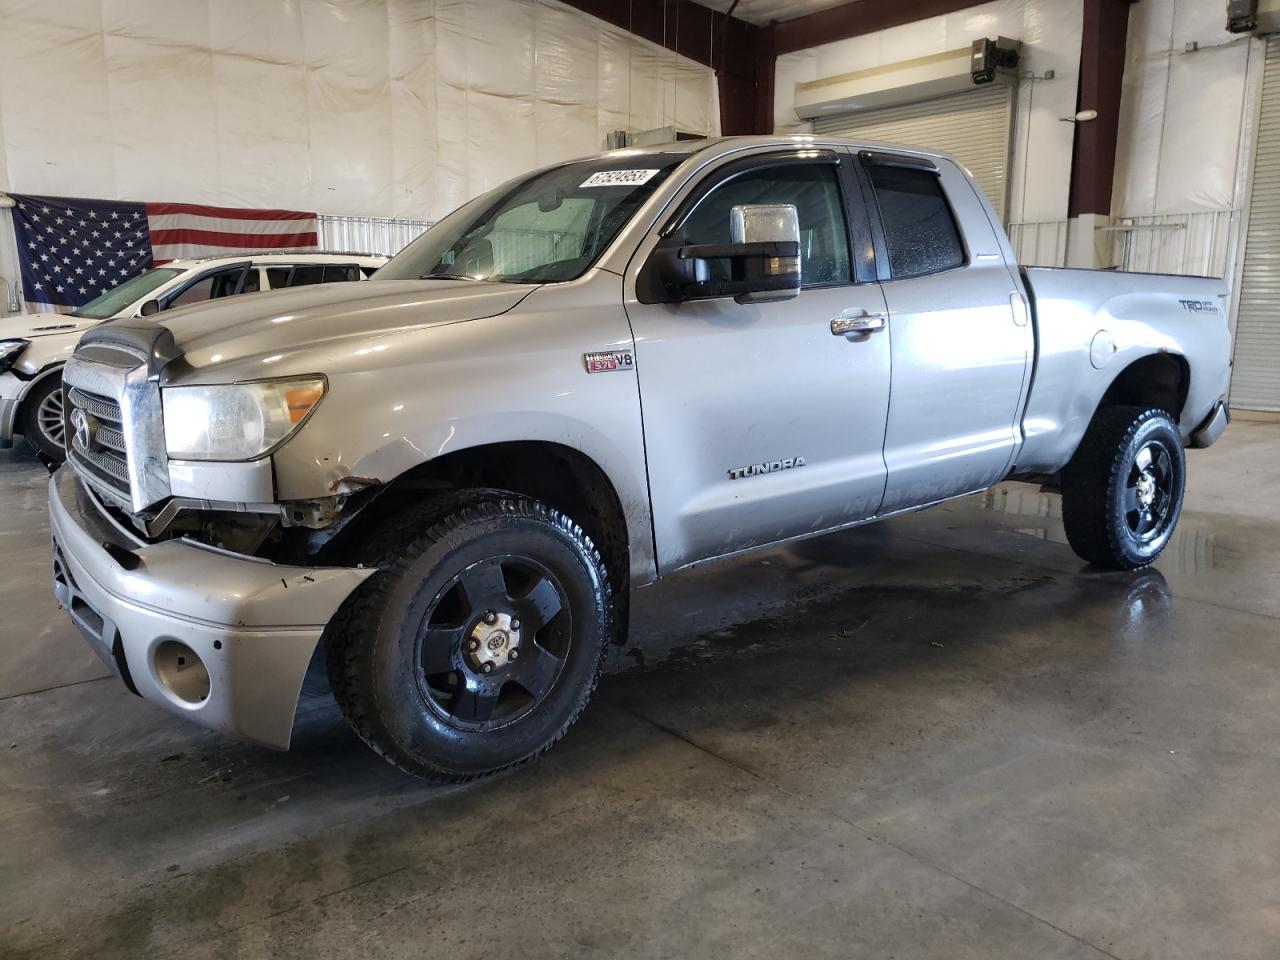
point(103, 408)
point(110, 438)
point(103, 457)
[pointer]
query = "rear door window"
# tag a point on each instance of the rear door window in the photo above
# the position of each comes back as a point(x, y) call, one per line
point(307, 273)
point(919, 229)
point(341, 272)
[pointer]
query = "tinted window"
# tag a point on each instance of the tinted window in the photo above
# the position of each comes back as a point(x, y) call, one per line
point(815, 192)
point(336, 273)
point(918, 227)
point(278, 276)
point(303, 275)
point(209, 287)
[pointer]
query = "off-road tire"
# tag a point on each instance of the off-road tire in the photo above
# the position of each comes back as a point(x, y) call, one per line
point(370, 643)
point(1094, 487)
point(32, 431)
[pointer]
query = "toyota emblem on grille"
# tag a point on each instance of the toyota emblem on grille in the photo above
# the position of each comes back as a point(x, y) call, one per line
point(80, 423)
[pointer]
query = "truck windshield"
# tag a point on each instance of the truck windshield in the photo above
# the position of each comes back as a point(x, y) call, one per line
point(117, 298)
point(546, 229)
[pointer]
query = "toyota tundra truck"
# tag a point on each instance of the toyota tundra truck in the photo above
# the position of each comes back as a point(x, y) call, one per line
point(447, 480)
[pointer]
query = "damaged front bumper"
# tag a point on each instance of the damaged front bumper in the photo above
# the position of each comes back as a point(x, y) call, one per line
point(219, 638)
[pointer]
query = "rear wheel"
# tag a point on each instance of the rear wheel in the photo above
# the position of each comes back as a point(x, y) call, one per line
point(1122, 491)
point(479, 641)
point(42, 422)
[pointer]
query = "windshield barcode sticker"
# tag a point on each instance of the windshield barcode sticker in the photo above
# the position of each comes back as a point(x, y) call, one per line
point(618, 178)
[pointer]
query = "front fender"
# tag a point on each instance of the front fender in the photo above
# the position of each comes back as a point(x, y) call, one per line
point(518, 377)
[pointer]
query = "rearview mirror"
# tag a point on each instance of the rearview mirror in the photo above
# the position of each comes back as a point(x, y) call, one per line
point(763, 258)
point(148, 308)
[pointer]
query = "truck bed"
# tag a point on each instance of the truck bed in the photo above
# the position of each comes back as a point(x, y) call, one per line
point(1091, 325)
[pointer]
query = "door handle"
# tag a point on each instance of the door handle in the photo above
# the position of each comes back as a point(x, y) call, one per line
point(856, 326)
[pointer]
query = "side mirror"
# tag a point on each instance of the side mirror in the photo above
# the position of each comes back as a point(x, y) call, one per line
point(148, 308)
point(763, 258)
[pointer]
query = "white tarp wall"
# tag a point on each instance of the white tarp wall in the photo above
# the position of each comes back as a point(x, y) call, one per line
point(1050, 32)
point(1182, 111)
point(1182, 154)
point(371, 108)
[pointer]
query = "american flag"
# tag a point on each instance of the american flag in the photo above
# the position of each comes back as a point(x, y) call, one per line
point(72, 250)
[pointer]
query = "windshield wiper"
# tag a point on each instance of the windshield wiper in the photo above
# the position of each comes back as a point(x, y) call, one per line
point(446, 276)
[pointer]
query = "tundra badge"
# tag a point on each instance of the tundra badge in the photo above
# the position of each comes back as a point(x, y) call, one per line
point(770, 466)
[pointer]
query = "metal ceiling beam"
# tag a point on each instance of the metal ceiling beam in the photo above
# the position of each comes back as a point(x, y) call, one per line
point(856, 18)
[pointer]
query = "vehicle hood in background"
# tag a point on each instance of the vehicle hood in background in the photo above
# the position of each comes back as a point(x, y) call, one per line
point(29, 327)
point(305, 319)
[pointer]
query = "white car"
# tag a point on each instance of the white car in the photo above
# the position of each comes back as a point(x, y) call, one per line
point(34, 348)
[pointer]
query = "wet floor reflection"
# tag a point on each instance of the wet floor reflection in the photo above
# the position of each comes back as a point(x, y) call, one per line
point(1191, 549)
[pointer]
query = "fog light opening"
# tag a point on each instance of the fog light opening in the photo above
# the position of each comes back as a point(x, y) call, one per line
point(182, 672)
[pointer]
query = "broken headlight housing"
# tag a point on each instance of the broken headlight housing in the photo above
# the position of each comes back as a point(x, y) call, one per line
point(10, 350)
point(236, 421)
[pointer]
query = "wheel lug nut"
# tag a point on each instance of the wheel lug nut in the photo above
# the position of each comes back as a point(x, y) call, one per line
point(490, 617)
point(515, 624)
point(473, 645)
point(513, 654)
point(487, 668)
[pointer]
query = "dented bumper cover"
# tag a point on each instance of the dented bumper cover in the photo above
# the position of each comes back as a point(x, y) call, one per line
point(221, 639)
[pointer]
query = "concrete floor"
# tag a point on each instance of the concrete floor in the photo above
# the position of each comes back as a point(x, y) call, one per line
point(936, 737)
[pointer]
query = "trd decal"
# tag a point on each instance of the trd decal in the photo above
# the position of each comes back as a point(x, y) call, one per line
point(1200, 306)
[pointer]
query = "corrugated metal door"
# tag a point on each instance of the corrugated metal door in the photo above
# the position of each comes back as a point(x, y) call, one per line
point(1255, 382)
point(976, 127)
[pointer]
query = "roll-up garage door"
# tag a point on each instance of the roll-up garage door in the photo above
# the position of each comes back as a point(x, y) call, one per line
point(975, 127)
point(1255, 382)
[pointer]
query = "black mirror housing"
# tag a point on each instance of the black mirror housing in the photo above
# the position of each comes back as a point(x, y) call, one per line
point(761, 267)
point(763, 259)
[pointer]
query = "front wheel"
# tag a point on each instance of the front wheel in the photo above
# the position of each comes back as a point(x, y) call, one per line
point(42, 422)
point(1122, 491)
point(480, 639)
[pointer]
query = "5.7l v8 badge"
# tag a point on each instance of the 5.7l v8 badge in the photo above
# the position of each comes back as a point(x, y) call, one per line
point(608, 361)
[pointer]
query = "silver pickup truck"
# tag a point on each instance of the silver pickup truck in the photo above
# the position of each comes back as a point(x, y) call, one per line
point(450, 477)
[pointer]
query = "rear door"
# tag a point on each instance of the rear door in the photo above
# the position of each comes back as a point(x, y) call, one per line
point(961, 341)
point(759, 423)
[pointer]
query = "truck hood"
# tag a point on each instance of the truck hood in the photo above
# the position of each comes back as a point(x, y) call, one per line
point(42, 325)
point(285, 323)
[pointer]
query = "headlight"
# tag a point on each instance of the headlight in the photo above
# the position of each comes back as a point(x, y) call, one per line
point(236, 421)
point(10, 351)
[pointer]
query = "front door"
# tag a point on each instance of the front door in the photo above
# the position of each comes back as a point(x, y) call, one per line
point(761, 424)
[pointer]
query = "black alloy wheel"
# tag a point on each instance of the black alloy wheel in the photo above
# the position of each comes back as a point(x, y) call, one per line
point(480, 639)
point(493, 642)
point(1122, 492)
